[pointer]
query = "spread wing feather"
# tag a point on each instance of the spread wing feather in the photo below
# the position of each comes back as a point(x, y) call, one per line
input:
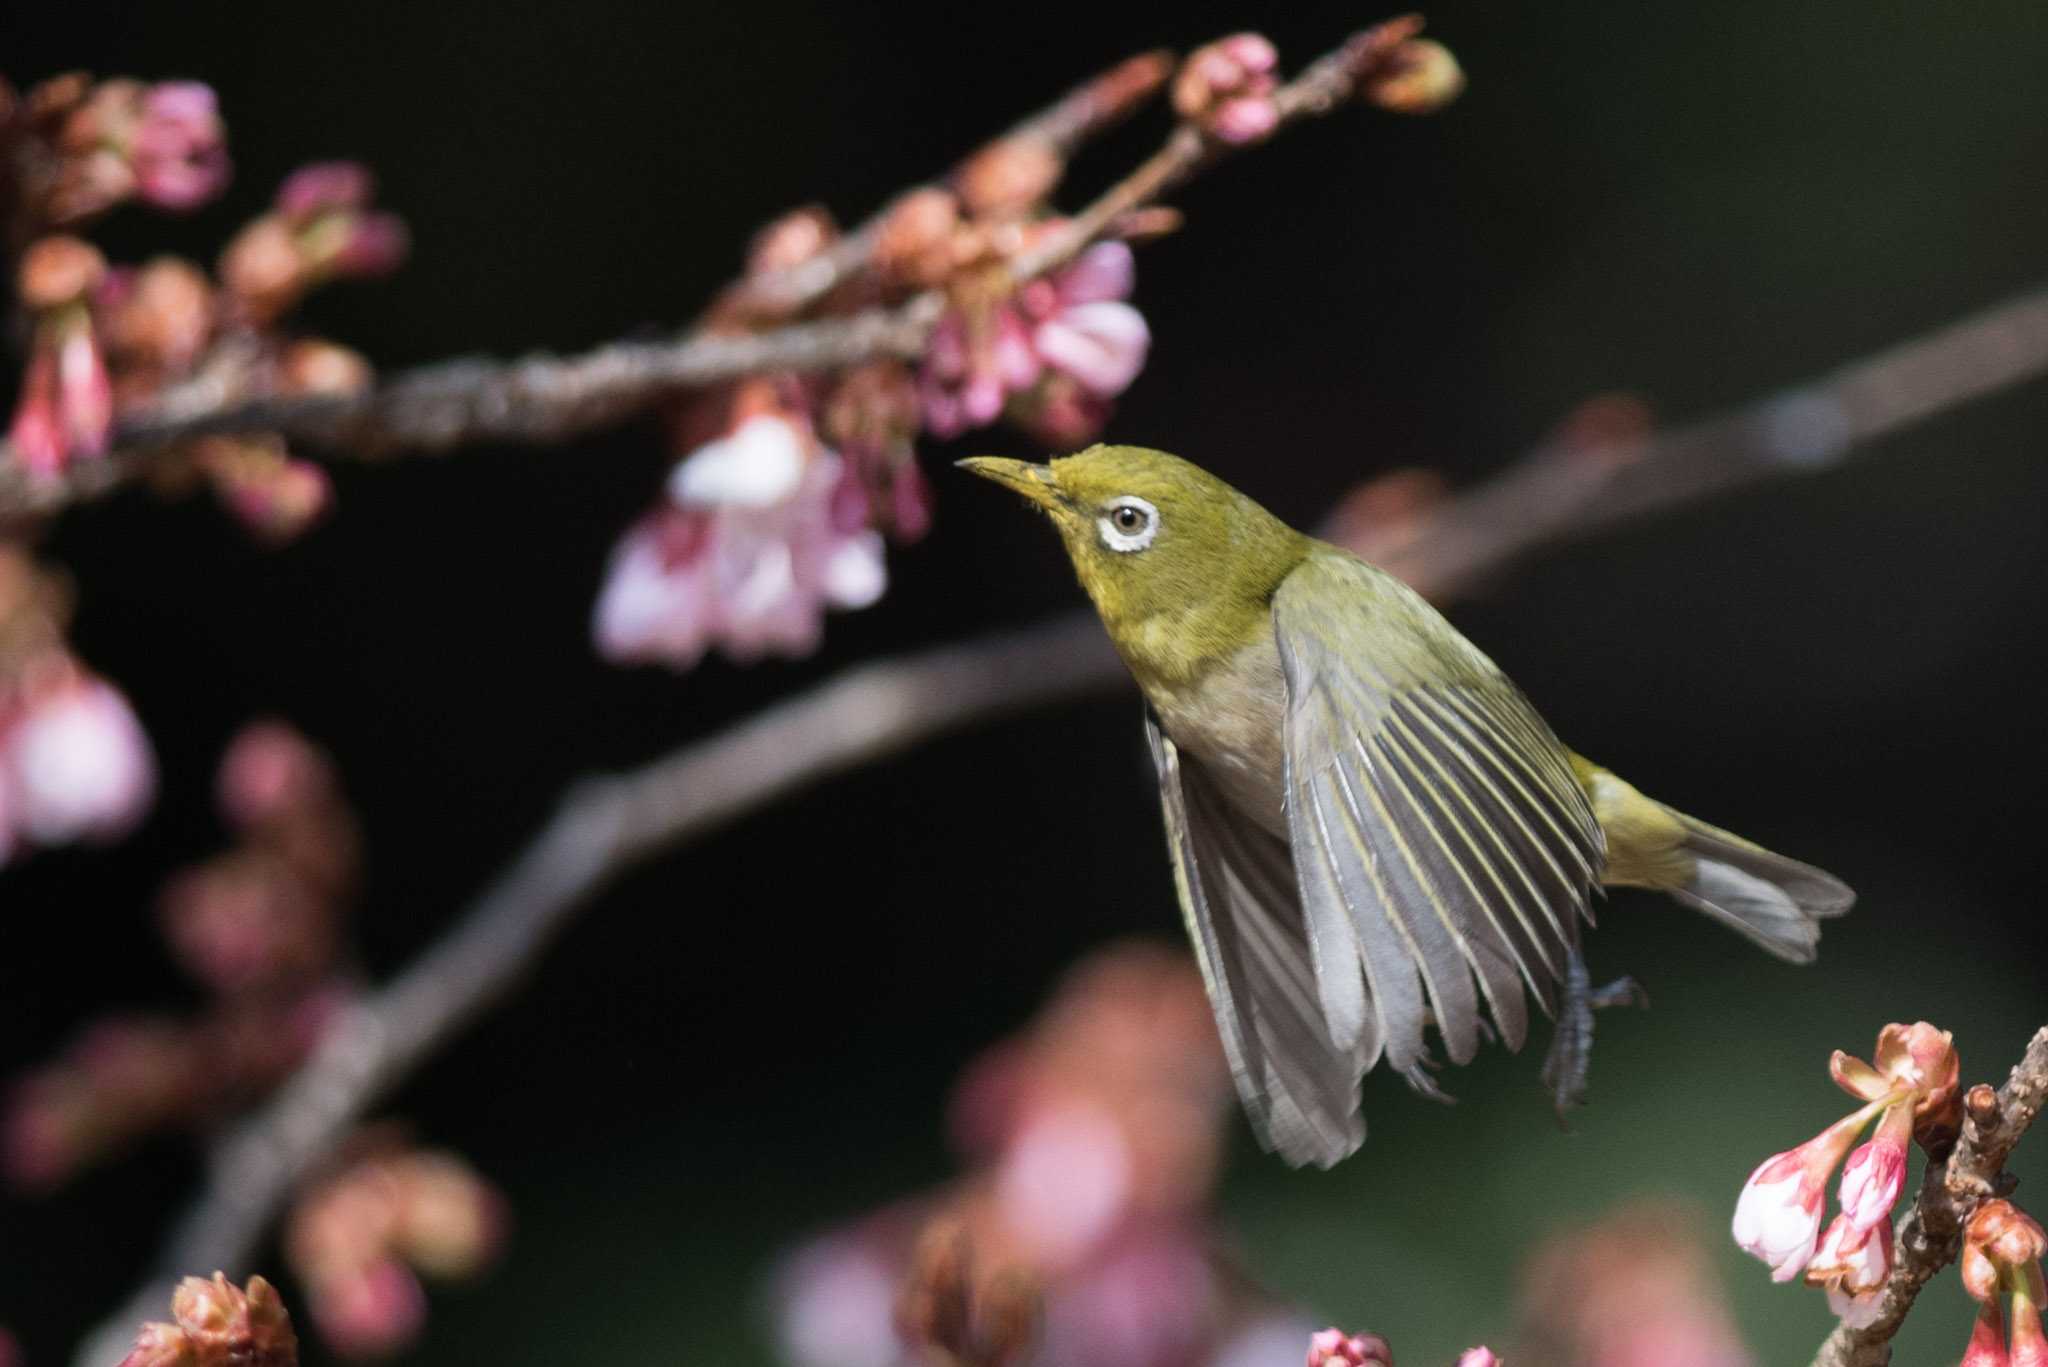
point(1430, 811)
point(1236, 886)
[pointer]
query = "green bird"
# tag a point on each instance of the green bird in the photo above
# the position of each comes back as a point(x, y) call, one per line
point(1372, 830)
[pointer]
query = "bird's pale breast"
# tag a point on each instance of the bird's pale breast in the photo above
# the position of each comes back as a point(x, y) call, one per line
point(1232, 718)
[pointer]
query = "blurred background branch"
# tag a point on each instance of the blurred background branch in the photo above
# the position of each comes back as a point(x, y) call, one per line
point(1566, 489)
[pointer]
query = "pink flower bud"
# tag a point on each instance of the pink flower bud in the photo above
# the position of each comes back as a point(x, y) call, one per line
point(1227, 87)
point(324, 187)
point(370, 1312)
point(1481, 1356)
point(1987, 1339)
point(1999, 1240)
point(179, 150)
point(56, 271)
point(1876, 1172)
point(376, 244)
point(78, 764)
point(1335, 1348)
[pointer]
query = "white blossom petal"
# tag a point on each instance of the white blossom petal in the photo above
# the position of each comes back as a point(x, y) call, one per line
point(757, 465)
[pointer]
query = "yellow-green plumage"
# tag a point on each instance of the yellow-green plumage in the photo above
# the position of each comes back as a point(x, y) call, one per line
point(1373, 831)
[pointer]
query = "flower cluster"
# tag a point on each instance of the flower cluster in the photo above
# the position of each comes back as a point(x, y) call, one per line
point(80, 147)
point(1910, 1089)
point(259, 926)
point(762, 528)
point(104, 340)
point(2002, 1252)
point(1082, 1234)
point(359, 1240)
point(74, 763)
point(215, 1323)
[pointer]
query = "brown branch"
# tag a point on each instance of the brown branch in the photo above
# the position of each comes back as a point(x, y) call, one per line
point(547, 398)
point(1931, 1235)
point(607, 825)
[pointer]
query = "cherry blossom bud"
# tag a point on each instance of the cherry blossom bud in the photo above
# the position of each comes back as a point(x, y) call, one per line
point(371, 1311)
point(2029, 1347)
point(1876, 1172)
point(1999, 1240)
point(1009, 176)
point(918, 242)
point(791, 240)
point(1335, 1348)
point(271, 772)
point(78, 764)
point(56, 271)
point(312, 366)
point(260, 267)
point(157, 318)
point(179, 148)
point(451, 1222)
point(1418, 77)
point(1481, 1356)
point(1987, 1339)
point(1777, 1217)
point(324, 187)
point(1227, 87)
point(272, 493)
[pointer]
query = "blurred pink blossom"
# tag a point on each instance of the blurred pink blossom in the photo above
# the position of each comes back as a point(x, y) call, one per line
point(372, 1311)
point(752, 544)
point(1072, 325)
point(76, 763)
point(179, 146)
point(66, 405)
point(1335, 1348)
point(1227, 86)
point(1481, 1356)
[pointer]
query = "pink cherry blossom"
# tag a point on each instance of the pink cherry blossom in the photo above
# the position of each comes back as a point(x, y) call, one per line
point(1875, 1174)
point(77, 764)
point(179, 147)
point(1777, 1217)
point(1853, 1265)
point(751, 546)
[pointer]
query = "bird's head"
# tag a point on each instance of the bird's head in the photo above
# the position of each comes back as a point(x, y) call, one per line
point(1181, 566)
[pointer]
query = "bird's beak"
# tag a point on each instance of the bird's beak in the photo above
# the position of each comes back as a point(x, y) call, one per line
point(1035, 482)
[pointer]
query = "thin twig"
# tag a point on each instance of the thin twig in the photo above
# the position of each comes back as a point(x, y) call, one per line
point(606, 825)
point(547, 398)
point(1931, 1235)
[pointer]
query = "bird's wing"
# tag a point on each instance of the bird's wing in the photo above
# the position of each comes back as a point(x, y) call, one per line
point(1432, 813)
point(1237, 894)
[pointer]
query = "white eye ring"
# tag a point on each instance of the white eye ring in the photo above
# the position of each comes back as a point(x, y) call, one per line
point(1128, 524)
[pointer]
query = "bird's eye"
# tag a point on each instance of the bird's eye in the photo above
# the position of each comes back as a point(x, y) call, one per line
point(1128, 524)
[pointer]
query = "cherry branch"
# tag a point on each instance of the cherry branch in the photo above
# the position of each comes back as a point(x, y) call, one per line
point(1931, 1235)
point(607, 825)
point(546, 398)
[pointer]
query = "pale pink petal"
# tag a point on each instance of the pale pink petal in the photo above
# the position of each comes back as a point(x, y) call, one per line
point(1102, 345)
point(79, 765)
point(1777, 1217)
point(757, 465)
point(855, 573)
point(1106, 270)
point(1065, 1181)
point(654, 606)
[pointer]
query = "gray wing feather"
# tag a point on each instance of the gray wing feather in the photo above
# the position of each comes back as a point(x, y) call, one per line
point(1236, 893)
point(1430, 810)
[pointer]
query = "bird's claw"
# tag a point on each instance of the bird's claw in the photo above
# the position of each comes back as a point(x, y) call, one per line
point(1571, 1048)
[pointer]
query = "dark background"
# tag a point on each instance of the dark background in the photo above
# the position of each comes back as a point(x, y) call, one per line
point(753, 1036)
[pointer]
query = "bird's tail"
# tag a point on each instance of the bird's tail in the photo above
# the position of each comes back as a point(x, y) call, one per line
point(1775, 901)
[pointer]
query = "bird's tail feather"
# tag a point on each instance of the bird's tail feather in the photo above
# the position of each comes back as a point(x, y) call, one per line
point(1775, 901)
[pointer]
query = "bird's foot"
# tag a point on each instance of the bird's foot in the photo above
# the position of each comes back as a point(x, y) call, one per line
point(1571, 1046)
